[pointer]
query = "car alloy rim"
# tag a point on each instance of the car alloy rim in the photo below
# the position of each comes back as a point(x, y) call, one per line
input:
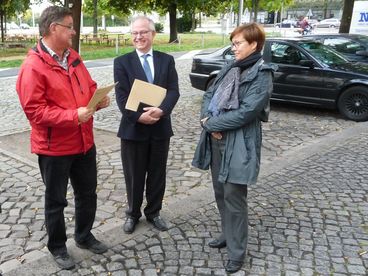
point(357, 104)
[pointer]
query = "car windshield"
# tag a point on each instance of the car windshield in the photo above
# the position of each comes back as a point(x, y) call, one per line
point(363, 39)
point(323, 53)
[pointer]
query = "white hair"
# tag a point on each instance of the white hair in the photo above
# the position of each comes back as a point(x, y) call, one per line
point(143, 17)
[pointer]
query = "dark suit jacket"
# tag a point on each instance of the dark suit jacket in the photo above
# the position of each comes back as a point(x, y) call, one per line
point(127, 68)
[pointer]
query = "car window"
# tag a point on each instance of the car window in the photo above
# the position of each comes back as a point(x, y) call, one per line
point(228, 54)
point(286, 54)
point(323, 53)
point(344, 45)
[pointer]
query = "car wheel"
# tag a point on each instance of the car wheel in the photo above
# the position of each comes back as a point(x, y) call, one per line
point(332, 26)
point(353, 103)
point(210, 82)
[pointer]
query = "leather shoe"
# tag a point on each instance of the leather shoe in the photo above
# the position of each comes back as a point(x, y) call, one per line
point(233, 266)
point(158, 223)
point(63, 260)
point(93, 245)
point(217, 244)
point(129, 225)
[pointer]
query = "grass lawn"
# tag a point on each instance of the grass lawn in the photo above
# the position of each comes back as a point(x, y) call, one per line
point(13, 57)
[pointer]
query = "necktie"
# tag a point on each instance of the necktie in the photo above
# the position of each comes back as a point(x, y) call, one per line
point(147, 69)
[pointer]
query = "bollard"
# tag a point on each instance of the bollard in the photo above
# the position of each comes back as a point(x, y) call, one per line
point(117, 46)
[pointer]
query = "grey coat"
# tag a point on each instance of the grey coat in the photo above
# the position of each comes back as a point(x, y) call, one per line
point(241, 160)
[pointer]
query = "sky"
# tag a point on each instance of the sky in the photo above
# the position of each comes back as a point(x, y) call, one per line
point(40, 7)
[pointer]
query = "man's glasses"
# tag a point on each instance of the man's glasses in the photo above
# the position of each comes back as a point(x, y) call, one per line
point(236, 44)
point(141, 33)
point(71, 27)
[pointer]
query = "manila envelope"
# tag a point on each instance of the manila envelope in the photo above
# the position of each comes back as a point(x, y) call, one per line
point(99, 94)
point(144, 94)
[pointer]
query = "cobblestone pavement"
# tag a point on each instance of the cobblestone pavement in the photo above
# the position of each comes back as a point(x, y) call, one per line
point(307, 214)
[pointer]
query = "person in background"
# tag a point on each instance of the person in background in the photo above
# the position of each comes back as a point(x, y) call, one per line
point(230, 143)
point(305, 26)
point(145, 134)
point(54, 88)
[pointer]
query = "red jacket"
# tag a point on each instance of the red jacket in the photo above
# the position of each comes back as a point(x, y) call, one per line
point(50, 97)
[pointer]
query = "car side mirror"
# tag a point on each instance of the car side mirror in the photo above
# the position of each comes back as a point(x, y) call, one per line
point(229, 57)
point(306, 63)
point(362, 53)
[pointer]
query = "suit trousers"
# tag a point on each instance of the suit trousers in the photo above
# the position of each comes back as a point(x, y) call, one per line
point(144, 165)
point(231, 200)
point(55, 172)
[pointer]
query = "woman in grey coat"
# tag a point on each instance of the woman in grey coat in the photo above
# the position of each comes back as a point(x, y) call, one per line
point(230, 143)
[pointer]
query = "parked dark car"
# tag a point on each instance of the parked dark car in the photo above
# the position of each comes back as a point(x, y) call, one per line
point(353, 46)
point(309, 73)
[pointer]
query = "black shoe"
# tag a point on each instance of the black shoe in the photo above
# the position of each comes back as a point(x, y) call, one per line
point(129, 225)
point(93, 245)
point(63, 260)
point(158, 223)
point(217, 244)
point(233, 266)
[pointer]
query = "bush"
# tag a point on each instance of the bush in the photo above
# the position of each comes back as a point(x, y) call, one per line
point(159, 27)
point(185, 24)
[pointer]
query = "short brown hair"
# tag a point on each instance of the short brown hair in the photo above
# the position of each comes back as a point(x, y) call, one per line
point(50, 15)
point(252, 32)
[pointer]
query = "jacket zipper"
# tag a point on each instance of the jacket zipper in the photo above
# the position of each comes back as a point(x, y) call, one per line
point(80, 86)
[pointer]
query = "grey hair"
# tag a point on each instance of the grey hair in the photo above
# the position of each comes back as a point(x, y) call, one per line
point(151, 24)
point(50, 15)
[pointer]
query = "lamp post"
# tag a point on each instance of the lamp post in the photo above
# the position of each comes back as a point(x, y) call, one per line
point(240, 12)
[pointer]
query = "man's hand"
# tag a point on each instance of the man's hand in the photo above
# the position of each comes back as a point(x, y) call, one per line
point(105, 102)
point(149, 117)
point(154, 112)
point(84, 114)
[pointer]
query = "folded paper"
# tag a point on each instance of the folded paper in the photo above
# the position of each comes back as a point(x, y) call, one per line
point(99, 94)
point(144, 94)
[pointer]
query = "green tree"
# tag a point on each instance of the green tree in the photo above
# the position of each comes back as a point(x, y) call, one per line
point(277, 6)
point(172, 7)
point(9, 8)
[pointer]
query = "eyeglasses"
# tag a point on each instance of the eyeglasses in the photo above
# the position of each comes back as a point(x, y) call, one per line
point(71, 27)
point(236, 44)
point(141, 33)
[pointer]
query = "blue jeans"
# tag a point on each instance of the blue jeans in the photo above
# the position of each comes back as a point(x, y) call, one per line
point(81, 169)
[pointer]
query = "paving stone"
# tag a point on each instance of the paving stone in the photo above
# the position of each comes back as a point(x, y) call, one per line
point(300, 222)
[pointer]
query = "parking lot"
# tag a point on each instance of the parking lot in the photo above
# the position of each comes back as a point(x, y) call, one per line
point(308, 214)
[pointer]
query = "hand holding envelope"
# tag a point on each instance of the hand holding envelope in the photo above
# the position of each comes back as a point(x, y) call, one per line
point(144, 94)
point(99, 95)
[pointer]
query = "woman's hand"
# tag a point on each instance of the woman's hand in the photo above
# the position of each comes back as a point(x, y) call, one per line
point(216, 135)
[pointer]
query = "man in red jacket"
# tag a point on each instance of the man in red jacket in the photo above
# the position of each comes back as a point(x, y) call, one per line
point(54, 88)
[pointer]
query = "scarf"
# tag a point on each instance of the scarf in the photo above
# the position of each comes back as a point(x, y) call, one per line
point(227, 92)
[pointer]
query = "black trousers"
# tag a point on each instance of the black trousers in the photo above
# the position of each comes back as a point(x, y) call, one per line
point(232, 204)
point(56, 171)
point(144, 165)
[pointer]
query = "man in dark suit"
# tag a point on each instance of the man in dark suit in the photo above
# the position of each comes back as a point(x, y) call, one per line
point(145, 134)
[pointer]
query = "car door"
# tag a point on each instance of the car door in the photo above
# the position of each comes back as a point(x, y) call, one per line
point(293, 81)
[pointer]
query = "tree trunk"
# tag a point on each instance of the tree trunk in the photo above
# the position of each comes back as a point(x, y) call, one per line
point(325, 5)
point(256, 8)
point(173, 24)
point(193, 22)
point(346, 16)
point(2, 26)
point(94, 18)
point(76, 10)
